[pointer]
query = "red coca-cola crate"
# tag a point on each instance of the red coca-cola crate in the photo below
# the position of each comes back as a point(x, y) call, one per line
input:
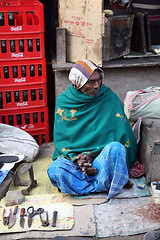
point(27, 119)
point(22, 16)
point(22, 46)
point(22, 72)
point(41, 136)
point(23, 96)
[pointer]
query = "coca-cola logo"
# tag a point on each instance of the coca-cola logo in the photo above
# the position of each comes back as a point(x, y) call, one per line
point(29, 126)
point(22, 104)
point(20, 80)
point(23, 127)
point(17, 55)
point(15, 29)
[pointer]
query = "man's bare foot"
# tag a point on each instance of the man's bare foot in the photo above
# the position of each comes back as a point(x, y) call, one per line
point(129, 185)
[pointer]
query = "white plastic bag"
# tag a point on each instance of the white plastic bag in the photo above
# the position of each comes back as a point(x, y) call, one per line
point(15, 141)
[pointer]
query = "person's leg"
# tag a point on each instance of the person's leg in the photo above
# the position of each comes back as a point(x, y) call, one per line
point(112, 173)
point(112, 169)
point(67, 176)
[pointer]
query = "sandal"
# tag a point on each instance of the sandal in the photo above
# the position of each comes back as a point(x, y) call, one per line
point(152, 235)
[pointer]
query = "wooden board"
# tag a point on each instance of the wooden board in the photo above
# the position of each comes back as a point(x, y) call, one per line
point(117, 36)
point(150, 148)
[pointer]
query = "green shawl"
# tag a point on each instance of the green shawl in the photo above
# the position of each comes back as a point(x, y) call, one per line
point(85, 124)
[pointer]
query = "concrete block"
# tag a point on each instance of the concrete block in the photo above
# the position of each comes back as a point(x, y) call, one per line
point(14, 198)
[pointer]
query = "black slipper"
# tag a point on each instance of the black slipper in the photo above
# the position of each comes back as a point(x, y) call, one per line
point(8, 159)
point(152, 235)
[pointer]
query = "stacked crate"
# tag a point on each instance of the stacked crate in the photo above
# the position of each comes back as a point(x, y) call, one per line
point(23, 80)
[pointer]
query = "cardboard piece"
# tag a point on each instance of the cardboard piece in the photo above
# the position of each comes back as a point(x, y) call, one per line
point(84, 23)
point(90, 32)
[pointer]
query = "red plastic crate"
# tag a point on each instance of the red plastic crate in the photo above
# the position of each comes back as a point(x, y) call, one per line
point(23, 16)
point(23, 96)
point(22, 46)
point(41, 136)
point(27, 119)
point(35, 72)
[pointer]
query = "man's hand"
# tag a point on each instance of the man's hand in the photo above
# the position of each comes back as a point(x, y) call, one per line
point(85, 164)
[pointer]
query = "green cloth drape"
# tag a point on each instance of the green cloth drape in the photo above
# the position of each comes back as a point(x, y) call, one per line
point(85, 124)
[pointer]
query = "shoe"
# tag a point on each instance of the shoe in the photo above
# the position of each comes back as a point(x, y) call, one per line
point(152, 235)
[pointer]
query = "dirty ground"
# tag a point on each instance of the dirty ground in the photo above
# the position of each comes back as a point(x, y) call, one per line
point(89, 218)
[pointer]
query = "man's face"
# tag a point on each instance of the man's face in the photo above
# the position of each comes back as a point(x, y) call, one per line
point(92, 86)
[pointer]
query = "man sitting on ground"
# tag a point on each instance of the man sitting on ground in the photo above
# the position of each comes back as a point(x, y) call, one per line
point(94, 142)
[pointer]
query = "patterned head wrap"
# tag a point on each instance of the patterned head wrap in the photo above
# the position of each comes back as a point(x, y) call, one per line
point(81, 72)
